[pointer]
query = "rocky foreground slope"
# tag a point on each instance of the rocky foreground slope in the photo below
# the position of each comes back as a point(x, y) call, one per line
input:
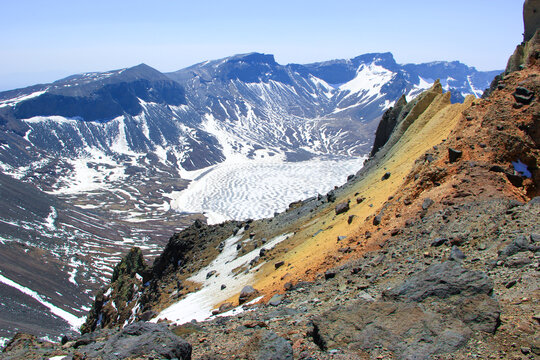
point(431, 251)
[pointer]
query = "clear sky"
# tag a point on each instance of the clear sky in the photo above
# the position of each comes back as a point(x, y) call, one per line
point(43, 41)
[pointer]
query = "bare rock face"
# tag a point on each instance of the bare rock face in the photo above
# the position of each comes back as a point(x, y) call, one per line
point(531, 18)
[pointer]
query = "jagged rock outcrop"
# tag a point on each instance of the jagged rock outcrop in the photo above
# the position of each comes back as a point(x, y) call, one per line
point(388, 122)
point(531, 18)
point(114, 306)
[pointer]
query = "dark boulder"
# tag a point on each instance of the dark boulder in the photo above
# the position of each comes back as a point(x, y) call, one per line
point(516, 180)
point(519, 244)
point(401, 327)
point(247, 293)
point(442, 281)
point(523, 95)
point(329, 274)
point(454, 155)
point(141, 338)
point(480, 313)
point(276, 300)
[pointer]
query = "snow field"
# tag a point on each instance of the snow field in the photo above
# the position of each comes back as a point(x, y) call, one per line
point(252, 189)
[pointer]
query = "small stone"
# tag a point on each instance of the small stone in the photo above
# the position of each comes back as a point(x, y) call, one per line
point(360, 200)
point(247, 293)
point(427, 203)
point(525, 350)
point(456, 254)
point(329, 274)
point(454, 155)
point(279, 264)
point(377, 220)
point(341, 238)
point(350, 219)
point(288, 286)
point(210, 274)
point(510, 284)
point(386, 176)
point(276, 300)
point(407, 201)
point(481, 247)
point(438, 242)
point(225, 307)
point(497, 169)
point(342, 207)
point(223, 286)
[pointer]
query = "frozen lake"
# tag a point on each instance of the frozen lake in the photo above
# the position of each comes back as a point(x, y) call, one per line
point(255, 189)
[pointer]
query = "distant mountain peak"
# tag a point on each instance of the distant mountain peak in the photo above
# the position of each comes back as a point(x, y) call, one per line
point(254, 58)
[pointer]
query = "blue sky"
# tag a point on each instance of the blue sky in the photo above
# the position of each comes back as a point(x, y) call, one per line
point(46, 40)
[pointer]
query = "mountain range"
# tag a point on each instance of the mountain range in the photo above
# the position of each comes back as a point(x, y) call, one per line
point(88, 161)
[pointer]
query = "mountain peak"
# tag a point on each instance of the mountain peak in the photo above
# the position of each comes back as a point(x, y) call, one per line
point(141, 71)
point(385, 59)
point(254, 58)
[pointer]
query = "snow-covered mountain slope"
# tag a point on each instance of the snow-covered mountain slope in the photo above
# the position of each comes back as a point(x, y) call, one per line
point(198, 116)
point(104, 151)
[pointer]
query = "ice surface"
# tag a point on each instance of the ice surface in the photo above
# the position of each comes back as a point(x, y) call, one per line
point(253, 189)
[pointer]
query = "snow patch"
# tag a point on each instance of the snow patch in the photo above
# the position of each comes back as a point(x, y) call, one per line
point(15, 101)
point(50, 220)
point(198, 305)
point(423, 85)
point(369, 81)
